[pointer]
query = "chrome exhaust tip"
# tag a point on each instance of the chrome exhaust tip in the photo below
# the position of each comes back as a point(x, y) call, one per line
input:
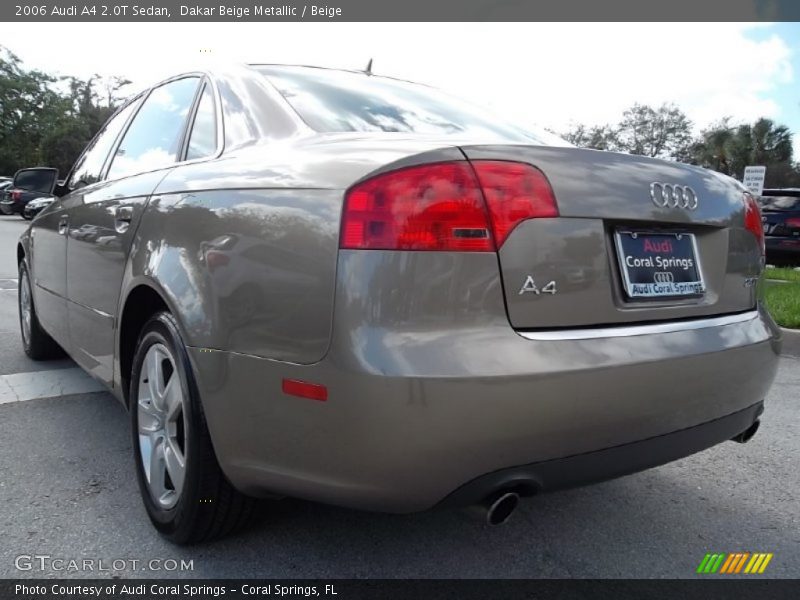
point(748, 433)
point(500, 506)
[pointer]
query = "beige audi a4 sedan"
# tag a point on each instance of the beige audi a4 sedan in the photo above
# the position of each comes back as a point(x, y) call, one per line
point(357, 290)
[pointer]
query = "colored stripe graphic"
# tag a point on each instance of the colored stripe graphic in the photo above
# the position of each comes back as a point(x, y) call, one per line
point(703, 563)
point(755, 562)
point(730, 564)
point(727, 563)
point(764, 564)
point(713, 567)
point(734, 563)
point(740, 564)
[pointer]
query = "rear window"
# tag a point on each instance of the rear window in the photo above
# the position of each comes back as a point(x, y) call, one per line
point(340, 101)
point(35, 181)
point(780, 202)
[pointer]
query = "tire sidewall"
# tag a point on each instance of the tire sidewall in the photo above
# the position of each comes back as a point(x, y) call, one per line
point(26, 342)
point(162, 329)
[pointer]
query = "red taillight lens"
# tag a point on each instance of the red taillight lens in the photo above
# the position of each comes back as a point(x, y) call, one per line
point(430, 207)
point(16, 195)
point(514, 192)
point(752, 220)
point(441, 206)
point(793, 223)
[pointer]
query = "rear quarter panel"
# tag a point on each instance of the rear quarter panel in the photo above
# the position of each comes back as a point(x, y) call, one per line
point(244, 247)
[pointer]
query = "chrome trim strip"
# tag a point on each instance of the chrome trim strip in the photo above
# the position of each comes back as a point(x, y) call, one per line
point(634, 330)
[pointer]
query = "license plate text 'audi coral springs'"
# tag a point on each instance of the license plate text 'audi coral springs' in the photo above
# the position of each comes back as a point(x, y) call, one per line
point(357, 290)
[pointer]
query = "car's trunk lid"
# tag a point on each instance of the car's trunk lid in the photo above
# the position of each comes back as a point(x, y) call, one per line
point(573, 270)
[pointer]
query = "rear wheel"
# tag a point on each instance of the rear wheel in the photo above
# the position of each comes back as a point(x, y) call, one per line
point(186, 495)
point(37, 344)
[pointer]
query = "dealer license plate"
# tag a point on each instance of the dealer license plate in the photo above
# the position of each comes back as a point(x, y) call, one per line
point(656, 265)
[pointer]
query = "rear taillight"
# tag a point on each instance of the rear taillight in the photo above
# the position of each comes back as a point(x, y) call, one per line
point(514, 192)
point(429, 207)
point(16, 195)
point(793, 223)
point(443, 206)
point(752, 219)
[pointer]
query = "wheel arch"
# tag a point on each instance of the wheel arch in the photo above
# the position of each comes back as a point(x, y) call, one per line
point(142, 301)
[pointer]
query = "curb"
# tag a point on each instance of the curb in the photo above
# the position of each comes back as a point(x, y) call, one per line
point(791, 342)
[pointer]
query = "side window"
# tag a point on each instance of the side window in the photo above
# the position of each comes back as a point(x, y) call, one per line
point(89, 166)
point(203, 139)
point(154, 138)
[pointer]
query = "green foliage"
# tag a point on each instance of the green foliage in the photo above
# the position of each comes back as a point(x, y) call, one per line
point(47, 121)
point(666, 132)
point(782, 274)
point(599, 137)
point(663, 132)
point(729, 149)
point(783, 302)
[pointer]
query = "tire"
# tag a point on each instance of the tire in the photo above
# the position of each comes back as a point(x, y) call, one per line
point(24, 216)
point(196, 503)
point(36, 342)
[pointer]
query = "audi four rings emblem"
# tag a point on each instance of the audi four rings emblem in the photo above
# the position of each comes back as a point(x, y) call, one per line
point(668, 195)
point(663, 277)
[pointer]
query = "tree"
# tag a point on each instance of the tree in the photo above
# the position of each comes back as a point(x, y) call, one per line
point(729, 149)
point(40, 125)
point(666, 132)
point(598, 137)
point(28, 106)
point(663, 132)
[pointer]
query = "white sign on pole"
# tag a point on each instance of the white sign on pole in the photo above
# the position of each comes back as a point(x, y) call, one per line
point(754, 179)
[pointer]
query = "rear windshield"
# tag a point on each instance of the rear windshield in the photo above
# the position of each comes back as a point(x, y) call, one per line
point(340, 101)
point(34, 181)
point(780, 202)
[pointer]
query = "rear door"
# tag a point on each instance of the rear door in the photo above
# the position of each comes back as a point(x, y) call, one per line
point(103, 218)
point(49, 231)
point(636, 240)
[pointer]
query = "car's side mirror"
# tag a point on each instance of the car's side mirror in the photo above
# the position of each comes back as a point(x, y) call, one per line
point(38, 179)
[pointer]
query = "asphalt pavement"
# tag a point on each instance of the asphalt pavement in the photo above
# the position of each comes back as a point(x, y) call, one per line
point(68, 492)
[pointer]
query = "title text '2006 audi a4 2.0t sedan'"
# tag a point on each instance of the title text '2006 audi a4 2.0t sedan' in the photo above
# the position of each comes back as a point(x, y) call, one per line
point(356, 290)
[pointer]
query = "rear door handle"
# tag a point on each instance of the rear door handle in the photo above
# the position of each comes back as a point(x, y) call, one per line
point(63, 224)
point(122, 218)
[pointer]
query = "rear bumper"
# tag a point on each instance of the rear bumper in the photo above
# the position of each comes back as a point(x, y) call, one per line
point(782, 246)
point(606, 464)
point(411, 417)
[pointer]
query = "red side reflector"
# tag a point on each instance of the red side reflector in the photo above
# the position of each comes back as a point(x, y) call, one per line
point(303, 389)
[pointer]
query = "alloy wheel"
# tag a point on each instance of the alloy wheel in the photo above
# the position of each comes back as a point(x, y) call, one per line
point(25, 307)
point(162, 426)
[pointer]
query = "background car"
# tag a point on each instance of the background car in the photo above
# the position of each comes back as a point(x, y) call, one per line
point(26, 186)
point(780, 213)
point(35, 206)
point(358, 290)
